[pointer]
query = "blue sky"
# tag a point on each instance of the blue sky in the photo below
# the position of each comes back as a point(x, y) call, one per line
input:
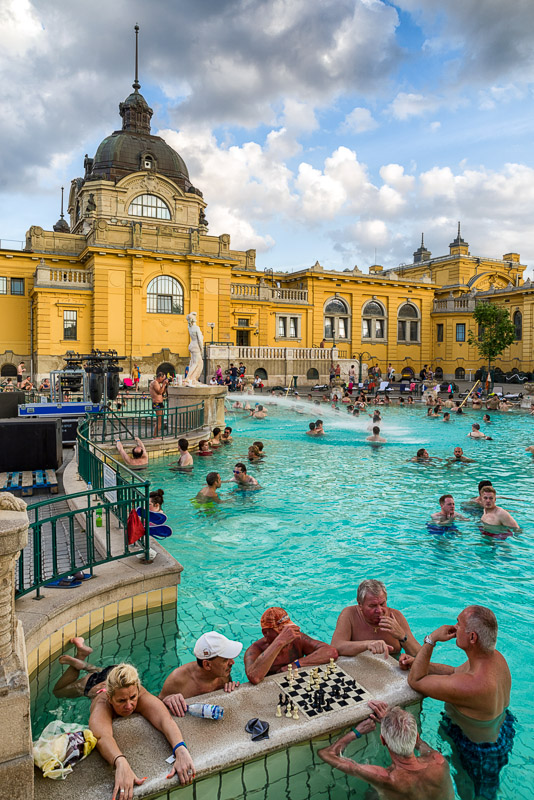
point(317, 131)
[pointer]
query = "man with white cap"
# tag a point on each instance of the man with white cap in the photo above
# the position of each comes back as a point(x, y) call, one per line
point(215, 656)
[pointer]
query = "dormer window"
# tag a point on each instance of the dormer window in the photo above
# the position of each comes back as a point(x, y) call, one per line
point(148, 205)
point(147, 162)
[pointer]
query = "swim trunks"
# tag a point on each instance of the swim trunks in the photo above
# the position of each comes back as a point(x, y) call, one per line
point(97, 677)
point(482, 761)
point(157, 405)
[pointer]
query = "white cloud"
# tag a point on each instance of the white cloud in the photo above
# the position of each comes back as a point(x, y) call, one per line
point(360, 120)
point(409, 104)
point(435, 126)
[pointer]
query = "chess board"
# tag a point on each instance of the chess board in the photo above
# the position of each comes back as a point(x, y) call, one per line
point(340, 691)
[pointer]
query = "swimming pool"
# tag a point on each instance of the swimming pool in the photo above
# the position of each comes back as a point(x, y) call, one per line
point(334, 511)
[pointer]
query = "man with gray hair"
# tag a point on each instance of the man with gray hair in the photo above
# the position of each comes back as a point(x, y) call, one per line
point(371, 625)
point(476, 717)
point(424, 778)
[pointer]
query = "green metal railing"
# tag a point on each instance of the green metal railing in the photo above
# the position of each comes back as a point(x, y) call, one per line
point(61, 544)
point(170, 423)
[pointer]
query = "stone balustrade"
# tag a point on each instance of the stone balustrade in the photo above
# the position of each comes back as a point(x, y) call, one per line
point(64, 277)
point(265, 293)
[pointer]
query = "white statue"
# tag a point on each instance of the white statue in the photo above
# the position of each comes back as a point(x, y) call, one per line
point(196, 343)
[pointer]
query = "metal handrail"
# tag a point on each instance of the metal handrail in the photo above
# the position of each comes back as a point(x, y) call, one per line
point(109, 424)
point(115, 491)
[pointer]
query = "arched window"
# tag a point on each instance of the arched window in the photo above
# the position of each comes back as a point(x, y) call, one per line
point(518, 325)
point(164, 296)
point(8, 371)
point(459, 373)
point(374, 321)
point(408, 323)
point(148, 205)
point(167, 369)
point(261, 374)
point(312, 374)
point(336, 319)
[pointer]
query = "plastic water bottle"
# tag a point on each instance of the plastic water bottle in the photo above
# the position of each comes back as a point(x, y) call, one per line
point(98, 514)
point(205, 710)
point(90, 489)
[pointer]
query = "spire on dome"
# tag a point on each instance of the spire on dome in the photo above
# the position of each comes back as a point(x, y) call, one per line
point(135, 111)
point(61, 225)
point(421, 254)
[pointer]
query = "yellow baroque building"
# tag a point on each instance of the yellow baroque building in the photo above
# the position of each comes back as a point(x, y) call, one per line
point(136, 257)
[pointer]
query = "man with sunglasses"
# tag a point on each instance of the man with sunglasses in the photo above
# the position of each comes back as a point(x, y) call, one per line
point(243, 480)
point(283, 643)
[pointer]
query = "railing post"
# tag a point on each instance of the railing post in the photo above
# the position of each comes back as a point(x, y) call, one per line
point(16, 760)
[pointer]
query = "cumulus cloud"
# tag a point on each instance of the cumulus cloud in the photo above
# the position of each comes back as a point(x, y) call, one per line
point(360, 120)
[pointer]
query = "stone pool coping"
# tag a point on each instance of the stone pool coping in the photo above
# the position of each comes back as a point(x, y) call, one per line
point(220, 745)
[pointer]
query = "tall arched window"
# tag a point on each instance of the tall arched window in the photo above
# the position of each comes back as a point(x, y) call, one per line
point(374, 321)
point(164, 295)
point(148, 205)
point(336, 319)
point(408, 324)
point(518, 325)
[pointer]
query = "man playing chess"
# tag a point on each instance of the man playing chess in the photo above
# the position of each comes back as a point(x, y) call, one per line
point(371, 625)
point(282, 644)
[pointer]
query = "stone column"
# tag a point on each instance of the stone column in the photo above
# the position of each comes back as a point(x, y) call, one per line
point(16, 758)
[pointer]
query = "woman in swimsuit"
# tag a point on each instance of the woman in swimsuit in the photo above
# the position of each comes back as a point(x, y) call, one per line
point(115, 691)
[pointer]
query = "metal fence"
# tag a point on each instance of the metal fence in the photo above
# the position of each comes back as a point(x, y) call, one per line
point(63, 541)
point(128, 423)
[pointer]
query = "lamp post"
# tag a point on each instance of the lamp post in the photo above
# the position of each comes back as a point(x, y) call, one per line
point(359, 356)
point(212, 326)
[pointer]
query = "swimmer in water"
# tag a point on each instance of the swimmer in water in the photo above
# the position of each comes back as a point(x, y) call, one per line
point(243, 480)
point(486, 418)
point(204, 448)
point(259, 412)
point(226, 435)
point(375, 439)
point(311, 431)
point(215, 440)
point(493, 514)
point(319, 427)
point(478, 500)
point(253, 453)
point(476, 433)
point(185, 462)
point(447, 513)
point(446, 417)
point(459, 457)
point(209, 493)
point(422, 457)
point(530, 449)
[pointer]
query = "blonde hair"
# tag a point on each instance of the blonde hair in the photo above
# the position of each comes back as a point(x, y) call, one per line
point(120, 677)
point(399, 731)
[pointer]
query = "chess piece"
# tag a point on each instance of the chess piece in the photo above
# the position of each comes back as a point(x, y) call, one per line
point(289, 712)
point(295, 712)
point(332, 665)
point(278, 710)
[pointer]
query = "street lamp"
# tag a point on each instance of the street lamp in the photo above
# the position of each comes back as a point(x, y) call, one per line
point(212, 326)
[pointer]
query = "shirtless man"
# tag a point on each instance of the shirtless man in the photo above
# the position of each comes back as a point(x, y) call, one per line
point(422, 457)
point(215, 657)
point(311, 431)
point(408, 778)
point(530, 449)
point(357, 626)
point(258, 413)
point(447, 511)
point(478, 500)
point(493, 514)
point(156, 389)
point(20, 370)
point(242, 479)
point(459, 456)
point(446, 417)
point(209, 493)
point(185, 462)
point(375, 438)
point(226, 436)
point(319, 427)
point(283, 643)
point(476, 695)
point(139, 457)
point(476, 433)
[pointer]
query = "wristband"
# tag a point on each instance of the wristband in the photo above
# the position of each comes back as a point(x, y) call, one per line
point(176, 746)
point(356, 733)
point(405, 639)
point(297, 662)
point(117, 757)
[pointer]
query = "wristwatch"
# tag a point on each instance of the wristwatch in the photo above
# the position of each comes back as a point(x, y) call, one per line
point(428, 640)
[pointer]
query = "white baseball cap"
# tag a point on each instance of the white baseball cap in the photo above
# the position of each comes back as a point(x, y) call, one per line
point(214, 644)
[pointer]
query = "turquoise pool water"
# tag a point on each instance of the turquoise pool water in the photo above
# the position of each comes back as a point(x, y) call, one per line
point(335, 511)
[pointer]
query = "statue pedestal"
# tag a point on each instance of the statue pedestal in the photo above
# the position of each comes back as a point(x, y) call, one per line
point(213, 397)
